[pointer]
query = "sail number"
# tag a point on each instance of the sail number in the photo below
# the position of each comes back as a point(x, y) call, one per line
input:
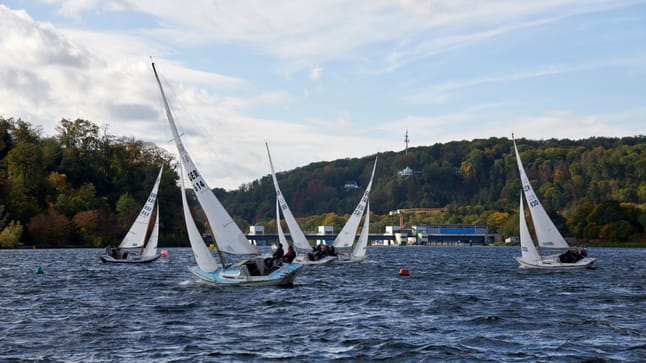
point(146, 210)
point(534, 203)
point(152, 197)
point(192, 175)
point(199, 184)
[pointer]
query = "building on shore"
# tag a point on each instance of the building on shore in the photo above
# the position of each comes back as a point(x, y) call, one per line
point(441, 235)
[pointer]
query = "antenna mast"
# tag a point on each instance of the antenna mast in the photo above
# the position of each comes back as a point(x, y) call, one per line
point(406, 140)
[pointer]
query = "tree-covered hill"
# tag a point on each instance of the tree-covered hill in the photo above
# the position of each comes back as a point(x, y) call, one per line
point(80, 187)
point(83, 187)
point(477, 181)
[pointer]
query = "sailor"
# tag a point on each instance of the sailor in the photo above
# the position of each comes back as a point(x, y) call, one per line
point(278, 255)
point(331, 251)
point(290, 255)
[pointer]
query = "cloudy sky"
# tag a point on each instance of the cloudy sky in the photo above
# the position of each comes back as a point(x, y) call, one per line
point(322, 80)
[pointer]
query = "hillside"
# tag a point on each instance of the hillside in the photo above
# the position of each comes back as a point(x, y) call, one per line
point(82, 188)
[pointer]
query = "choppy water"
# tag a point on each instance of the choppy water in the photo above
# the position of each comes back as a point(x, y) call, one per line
point(458, 304)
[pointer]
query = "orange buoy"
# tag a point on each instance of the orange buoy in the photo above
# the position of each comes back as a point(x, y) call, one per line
point(404, 272)
point(164, 253)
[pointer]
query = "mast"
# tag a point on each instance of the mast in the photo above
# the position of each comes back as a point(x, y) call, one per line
point(227, 233)
point(406, 140)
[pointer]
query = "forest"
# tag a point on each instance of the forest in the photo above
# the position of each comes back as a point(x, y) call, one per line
point(83, 187)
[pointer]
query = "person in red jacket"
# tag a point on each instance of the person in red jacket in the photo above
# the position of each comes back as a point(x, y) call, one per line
point(290, 255)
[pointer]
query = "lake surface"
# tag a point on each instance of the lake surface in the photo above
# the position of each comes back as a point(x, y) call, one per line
point(458, 304)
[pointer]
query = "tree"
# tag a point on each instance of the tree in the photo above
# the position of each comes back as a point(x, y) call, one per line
point(616, 231)
point(87, 223)
point(24, 166)
point(79, 134)
point(10, 235)
point(50, 230)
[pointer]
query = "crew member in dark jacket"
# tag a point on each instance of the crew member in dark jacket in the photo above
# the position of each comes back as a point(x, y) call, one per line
point(278, 255)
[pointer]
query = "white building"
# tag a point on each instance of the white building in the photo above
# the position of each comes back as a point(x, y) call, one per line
point(257, 231)
point(324, 231)
point(407, 171)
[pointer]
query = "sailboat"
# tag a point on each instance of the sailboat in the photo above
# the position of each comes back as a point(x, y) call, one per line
point(345, 238)
point(228, 238)
point(131, 249)
point(548, 236)
point(300, 243)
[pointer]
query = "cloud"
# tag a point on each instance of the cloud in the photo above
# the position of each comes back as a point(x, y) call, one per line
point(315, 73)
point(52, 71)
point(474, 123)
point(129, 111)
point(103, 78)
point(33, 44)
point(318, 31)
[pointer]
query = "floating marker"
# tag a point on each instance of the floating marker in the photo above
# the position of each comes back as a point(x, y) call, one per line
point(212, 246)
point(404, 272)
point(164, 253)
point(39, 271)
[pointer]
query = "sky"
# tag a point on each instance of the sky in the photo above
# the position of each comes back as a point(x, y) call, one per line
point(323, 80)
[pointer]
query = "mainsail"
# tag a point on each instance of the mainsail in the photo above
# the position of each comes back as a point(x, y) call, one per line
point(226, 232)
point(359, 249)
point(298, 237)
point(151, 245)
point(281, 235)
point(136, 236)
point(528, 250)
point(202, 254)
point(345, 238)
point(546, 233)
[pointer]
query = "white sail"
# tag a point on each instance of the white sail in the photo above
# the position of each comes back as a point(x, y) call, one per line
point(281, 235)
point(226, 232)
point(203, 256)
point(345, 238)
point(527, 247)
point(360, 248)
point(136, 236)
point(546, 233)
point(298, 237)
point(151, 246)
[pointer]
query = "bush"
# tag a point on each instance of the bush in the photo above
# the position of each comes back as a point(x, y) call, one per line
point(10, 236)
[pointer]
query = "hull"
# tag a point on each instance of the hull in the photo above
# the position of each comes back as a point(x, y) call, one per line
point(553, 264)
point(245, 273)
point(130, 259)
point(350, 259)
point(304, 260)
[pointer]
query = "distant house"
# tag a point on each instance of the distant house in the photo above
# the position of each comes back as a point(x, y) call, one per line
point(407, 171)
point(322, 231)
point(350, 185)
point(257, 231)
point(512, 239)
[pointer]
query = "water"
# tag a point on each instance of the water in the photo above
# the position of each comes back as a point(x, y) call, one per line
point(458, 304)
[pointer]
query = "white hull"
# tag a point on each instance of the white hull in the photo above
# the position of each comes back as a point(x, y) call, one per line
point(304, 260)
point(345, 259)
point(553, 264)
point(130, 259)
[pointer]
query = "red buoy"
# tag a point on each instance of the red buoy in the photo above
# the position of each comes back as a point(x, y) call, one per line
point(164, 253)
point(404, 272)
